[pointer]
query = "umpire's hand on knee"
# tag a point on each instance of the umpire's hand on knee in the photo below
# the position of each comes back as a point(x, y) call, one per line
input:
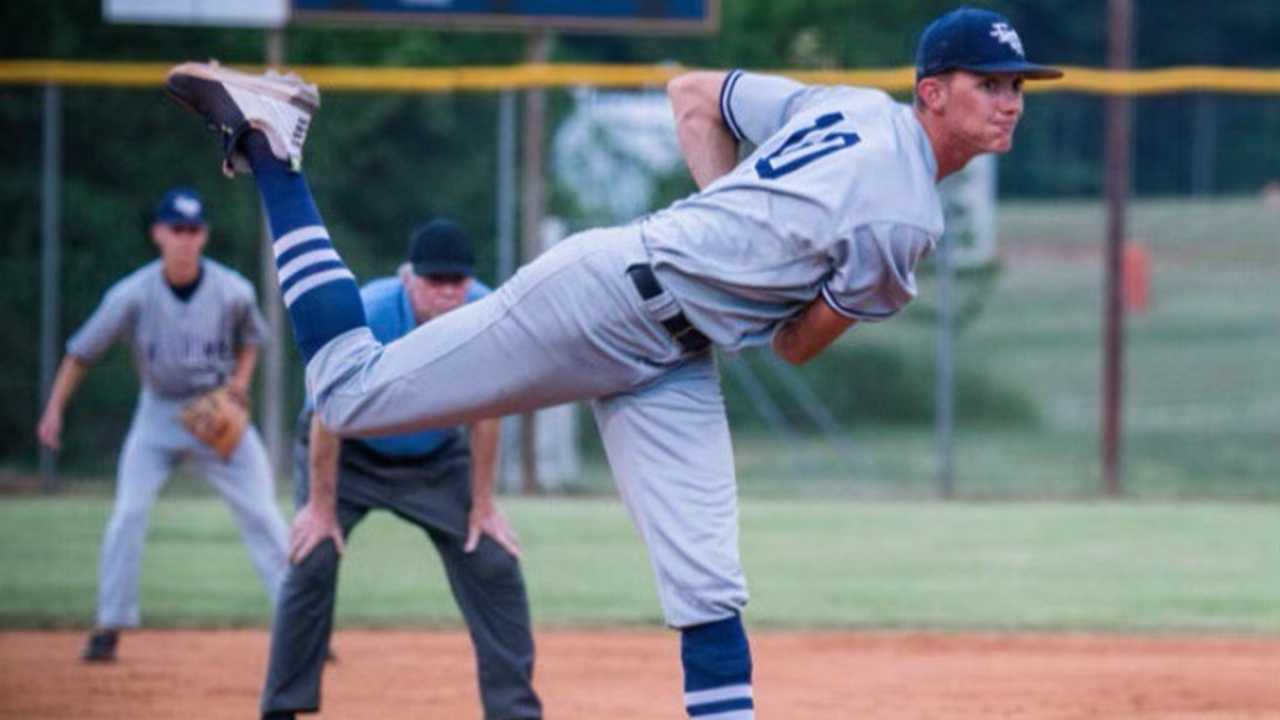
point(312, 526)
point(487, 519)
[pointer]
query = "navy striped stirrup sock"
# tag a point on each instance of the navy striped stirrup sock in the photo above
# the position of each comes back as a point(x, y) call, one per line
point(717, 671)
point(318, 288)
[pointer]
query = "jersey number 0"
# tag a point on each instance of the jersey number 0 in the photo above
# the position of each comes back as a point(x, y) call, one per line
point(804, 146)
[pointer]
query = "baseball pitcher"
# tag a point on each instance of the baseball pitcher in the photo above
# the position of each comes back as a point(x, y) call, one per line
point(819, 228)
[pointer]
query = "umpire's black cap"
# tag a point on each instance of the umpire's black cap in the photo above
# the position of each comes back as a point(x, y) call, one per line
point(980, 41)
point(441, 247)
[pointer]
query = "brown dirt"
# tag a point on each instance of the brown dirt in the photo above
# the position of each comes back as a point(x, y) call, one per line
point(625, 675)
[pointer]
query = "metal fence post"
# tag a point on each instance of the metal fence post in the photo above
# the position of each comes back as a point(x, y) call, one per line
point(273, 372)
point(50, 262)
point(944, 379)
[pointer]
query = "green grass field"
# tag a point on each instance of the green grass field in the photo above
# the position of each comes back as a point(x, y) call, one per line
point(824, 563)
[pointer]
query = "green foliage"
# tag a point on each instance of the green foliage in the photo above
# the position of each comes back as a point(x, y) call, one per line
point(381, 163)
point(866, 383)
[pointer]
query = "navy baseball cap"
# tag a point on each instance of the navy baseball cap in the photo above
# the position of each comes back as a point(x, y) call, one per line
point(980, 41)
point(179, 206)
point(441, 247)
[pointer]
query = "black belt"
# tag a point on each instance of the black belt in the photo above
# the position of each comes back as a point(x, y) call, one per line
point(689, 337)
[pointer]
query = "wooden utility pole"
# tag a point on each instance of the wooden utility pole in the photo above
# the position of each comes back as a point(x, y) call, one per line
point(1119, 57)
point(533, 207)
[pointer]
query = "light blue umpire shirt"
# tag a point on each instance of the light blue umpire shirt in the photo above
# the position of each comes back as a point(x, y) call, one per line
point(390, 317)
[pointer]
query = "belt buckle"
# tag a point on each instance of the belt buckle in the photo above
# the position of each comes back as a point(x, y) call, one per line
point(689, 337)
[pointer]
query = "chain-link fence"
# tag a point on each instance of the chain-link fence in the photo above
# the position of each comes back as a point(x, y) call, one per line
point(1202, 391)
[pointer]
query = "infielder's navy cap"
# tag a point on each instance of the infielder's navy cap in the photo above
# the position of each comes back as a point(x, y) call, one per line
point(980, 41)
point(439, 247)
point(179, 206)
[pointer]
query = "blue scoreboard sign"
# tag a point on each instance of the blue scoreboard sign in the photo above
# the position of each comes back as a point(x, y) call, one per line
point(584, 15)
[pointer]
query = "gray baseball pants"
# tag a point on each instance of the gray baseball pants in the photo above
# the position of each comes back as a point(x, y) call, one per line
point(435, 495)
point(572, 326)
point(156, 442)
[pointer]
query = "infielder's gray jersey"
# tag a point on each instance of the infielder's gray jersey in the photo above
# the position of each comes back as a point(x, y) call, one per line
point(838, 199)
point(180, 348)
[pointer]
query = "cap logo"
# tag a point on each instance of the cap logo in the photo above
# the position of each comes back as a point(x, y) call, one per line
point(187, 205)
point(1007, 36)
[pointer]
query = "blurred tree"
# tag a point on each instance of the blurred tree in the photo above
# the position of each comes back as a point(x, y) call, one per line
point(381, 163)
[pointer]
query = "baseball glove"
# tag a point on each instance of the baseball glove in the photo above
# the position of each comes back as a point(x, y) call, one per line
point(218, 419)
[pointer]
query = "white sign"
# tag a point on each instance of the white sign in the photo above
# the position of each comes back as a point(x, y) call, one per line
point(228, 13)
point(556, 437)
point(969, 201)
point(614, 149)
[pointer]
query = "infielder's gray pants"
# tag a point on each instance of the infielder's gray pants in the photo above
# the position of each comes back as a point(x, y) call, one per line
point(155, 443)
point(486, 583)
point(570, 326)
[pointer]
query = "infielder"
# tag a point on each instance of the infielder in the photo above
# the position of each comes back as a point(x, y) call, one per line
point(440, 480)
point(192, 325)
point(819, 228)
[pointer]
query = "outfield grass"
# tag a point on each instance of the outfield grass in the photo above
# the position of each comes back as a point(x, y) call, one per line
point(828, 563)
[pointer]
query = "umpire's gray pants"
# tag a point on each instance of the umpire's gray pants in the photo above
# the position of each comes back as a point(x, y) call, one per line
point(155, 443)
point(487, 583)
point(572, 326)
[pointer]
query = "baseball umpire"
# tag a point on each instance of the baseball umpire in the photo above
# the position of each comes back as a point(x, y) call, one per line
point(440, 480)
point(193, 327)
point(818, 228)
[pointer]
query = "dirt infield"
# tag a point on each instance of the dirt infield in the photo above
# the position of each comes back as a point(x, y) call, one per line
point(630, 675)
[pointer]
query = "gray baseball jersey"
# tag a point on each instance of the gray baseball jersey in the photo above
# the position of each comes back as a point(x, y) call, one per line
point(180, 348)
point(839, 198)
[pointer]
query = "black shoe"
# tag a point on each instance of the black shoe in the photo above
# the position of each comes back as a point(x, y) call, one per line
point(101, 646)
point(233, 103)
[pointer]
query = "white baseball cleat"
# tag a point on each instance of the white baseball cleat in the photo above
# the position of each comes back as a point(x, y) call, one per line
point(232, 103)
